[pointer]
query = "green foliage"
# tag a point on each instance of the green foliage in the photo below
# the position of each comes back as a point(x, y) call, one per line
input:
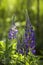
point(9, 56)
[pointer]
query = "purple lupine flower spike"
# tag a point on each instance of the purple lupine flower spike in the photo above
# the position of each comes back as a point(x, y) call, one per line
point(13, 31)
point(29, 34)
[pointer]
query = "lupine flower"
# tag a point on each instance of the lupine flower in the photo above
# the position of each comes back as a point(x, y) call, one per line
point(29, 34)
point(13, 31)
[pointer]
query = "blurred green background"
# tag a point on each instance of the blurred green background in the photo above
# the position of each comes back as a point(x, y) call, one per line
point(8, 8)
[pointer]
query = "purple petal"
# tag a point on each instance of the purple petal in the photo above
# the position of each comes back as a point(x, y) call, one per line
point(21, 51)
point(34, 51)
point(27, 45)
point(25, 34)
point(25, 41)
point(32, 44)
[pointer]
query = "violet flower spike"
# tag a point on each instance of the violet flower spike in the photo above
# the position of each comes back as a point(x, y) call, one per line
point(13, 31)
point(29, 33)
